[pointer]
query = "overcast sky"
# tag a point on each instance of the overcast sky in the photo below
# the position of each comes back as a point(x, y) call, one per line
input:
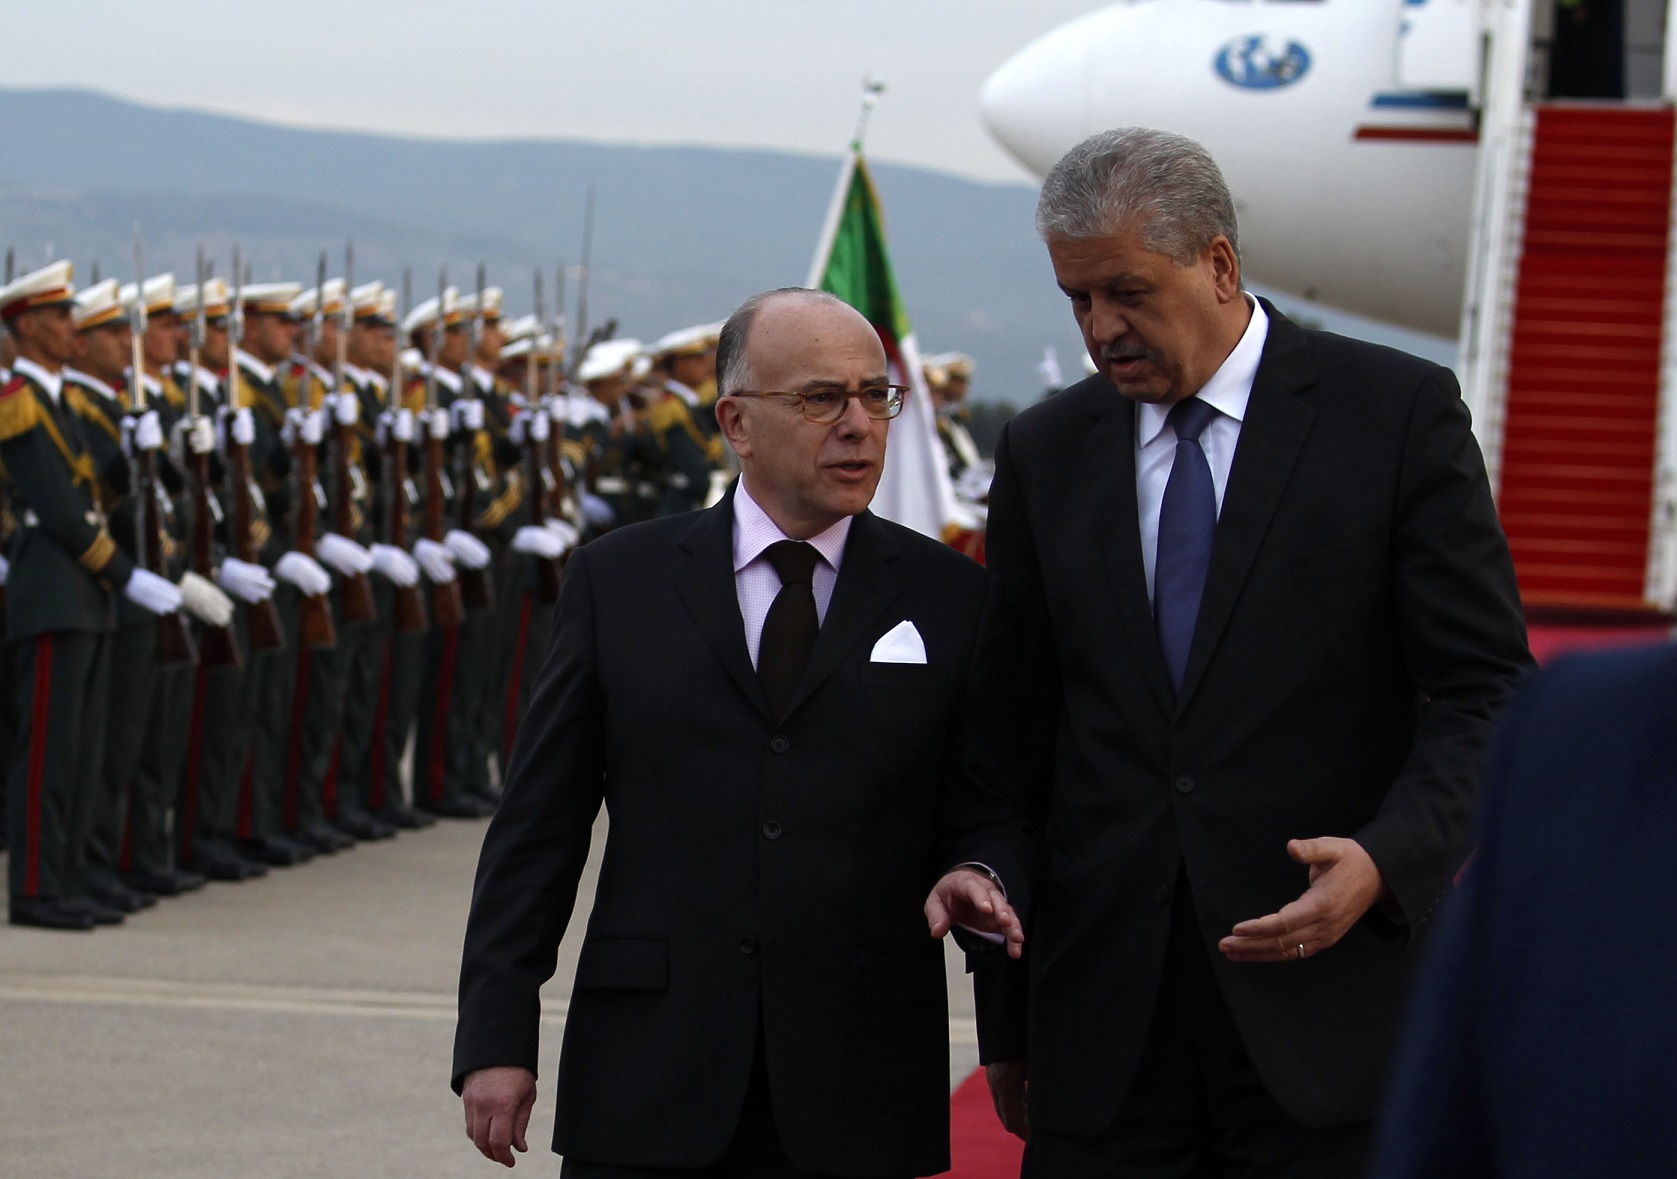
point(781, 74)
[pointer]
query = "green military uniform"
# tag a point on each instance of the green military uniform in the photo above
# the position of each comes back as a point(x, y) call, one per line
point(685, 449)
point(65, 570)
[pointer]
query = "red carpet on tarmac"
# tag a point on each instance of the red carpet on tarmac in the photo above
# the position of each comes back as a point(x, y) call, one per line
point(978, 1146)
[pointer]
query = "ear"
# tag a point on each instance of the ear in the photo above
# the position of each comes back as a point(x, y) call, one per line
point(731, 416)
point(1225, 269)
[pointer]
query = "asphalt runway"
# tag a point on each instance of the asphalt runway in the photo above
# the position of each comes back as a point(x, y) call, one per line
point(294, 1027)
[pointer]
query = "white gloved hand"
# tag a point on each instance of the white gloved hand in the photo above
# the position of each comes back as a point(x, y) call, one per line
point(556, 410)
point(5, 570)
point(309, 425)
point(468, 411)
point(435, 559)
point(204, 601)
point(540, 427)
point(439, 424)
point(467, 549)
point(538, 542)
point(343, 554)
point(527, 425)
point(150, 592)
point(303, 572)
point(567, 534)
point(144, 432)
point(200, 436)
point(246, 582)
point(596, 511)
point(346, 409)
point(395, 566)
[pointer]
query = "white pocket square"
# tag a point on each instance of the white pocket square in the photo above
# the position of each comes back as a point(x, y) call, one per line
point(901, 644)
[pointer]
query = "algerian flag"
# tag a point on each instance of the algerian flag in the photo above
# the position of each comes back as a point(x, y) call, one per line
point(852, 263)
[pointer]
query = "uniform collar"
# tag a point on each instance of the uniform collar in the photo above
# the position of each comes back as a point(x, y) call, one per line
point(53, 383)
point(259, 370)
point(89, 381)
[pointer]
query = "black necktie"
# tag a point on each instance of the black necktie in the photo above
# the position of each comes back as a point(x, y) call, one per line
point(1187, 521)
point(790, 627)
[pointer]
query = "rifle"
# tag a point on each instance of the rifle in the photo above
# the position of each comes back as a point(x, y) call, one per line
point(314, 612)
point(475, 584)
point(174, 640)
point(263, 619)
point(535, 458)
point(410, 607)
point(219, 647)
point(447, 606)
point(355, 592)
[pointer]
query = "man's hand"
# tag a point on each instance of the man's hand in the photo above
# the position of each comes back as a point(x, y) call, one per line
point(1344, 883)
point(498, 1102)
point(968, 897)
point(1008, 1091)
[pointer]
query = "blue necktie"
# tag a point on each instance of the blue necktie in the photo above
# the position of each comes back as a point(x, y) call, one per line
point(1187, 522)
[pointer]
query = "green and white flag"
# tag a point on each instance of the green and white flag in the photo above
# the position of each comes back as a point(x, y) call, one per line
point(853, 263)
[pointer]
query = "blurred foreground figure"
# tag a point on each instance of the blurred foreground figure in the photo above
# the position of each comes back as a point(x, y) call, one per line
point(1544, 1035)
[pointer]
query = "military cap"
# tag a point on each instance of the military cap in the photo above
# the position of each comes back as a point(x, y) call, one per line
point(525, 327)
point(99, 306)
point(270, 298)
point(609, 358)
point(304, 305)
point(49, 286)
point(541, 345)
point(216, 299)
point(157, 293)
point(688, 341)
point(425, 315)
point(367, 301)
point(491, 304)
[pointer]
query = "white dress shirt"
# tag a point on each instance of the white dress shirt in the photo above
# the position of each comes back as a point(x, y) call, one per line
point(755, 581)
point(53, 383)
point(1228, 391)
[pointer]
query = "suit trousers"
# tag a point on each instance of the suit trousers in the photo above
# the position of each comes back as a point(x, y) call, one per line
point(1197, 1108)
point(61, 680)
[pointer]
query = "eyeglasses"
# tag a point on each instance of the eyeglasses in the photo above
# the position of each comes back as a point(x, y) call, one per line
point(826, 406)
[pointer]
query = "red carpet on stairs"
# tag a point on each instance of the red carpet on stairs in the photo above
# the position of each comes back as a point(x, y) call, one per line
point(978, 1146)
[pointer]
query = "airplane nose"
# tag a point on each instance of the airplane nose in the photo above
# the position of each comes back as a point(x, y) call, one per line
point(1036, 103)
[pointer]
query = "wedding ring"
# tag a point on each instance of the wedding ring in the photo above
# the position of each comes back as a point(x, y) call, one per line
point(1301, 951)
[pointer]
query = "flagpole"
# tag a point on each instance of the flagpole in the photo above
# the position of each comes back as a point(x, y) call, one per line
point(872, 88)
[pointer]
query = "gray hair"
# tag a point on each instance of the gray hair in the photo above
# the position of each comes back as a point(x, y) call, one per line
point(733, 366)
point(1166, 184)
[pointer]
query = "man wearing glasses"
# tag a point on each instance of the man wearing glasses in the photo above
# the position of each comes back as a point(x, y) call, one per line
point(765, 695)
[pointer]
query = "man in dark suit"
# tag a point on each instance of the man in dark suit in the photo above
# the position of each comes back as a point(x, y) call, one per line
point(1253, 615)
point(1543, 1033)
point(765, 695)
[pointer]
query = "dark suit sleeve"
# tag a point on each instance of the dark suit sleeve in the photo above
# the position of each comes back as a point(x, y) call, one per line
point(537, 844)
point(1464, 641)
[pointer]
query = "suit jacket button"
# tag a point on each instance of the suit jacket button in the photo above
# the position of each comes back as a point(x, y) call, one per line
point(780, 744)
point(748, 945)
point(1184, 785)
point(771, 830)
point(1162, 893)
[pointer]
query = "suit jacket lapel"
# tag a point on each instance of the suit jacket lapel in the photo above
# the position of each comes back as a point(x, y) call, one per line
point(1276, 425)
point(866, 587)
point(706, 586)
point(1107, 467)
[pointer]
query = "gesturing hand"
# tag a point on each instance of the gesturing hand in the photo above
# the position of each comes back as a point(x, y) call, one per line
point(498, 1102)
point(1344, 883)
point(968, 897)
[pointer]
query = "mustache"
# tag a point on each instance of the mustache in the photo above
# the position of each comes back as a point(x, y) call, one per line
point(1120, 351)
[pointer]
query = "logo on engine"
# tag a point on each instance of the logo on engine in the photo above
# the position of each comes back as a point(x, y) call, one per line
point(1262, 61)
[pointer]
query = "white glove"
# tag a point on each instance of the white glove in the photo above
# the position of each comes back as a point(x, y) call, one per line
point(538, 542)
point(346, 409)
point(246, 582)
point(596, 510)
point(400, 420)
point(343, 554)
point(5, 570)
point(142, 433)
point(439, 424)
point(568, 536)
point(467, 549)
point(150, 592)
point(303, 572)
point(556, 410)
point(244, 426)
point(535, 425)
point(397, 567)
point(204, 602)
point(309, 425)
point(468, 411)
point(200, 438)
point(435, 559)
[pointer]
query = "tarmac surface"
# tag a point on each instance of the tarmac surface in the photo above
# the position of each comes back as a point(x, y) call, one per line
point(295, 1026)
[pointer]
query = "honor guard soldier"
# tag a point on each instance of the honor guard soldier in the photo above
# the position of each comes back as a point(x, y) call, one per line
point(436, 394)
point(383, 688)
point(622, 460)
point(685, 360)
point(212, 352)
point(65, 571)
point(312, 388)
point(947, 377)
